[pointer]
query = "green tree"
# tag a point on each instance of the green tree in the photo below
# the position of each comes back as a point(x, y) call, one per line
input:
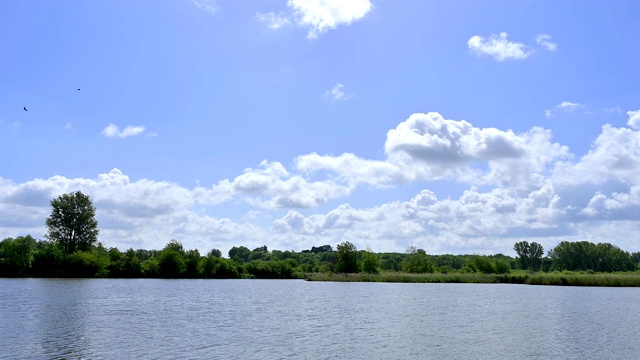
point(347, 258)
point(16, 256)
point(215, 253)
point(131, 266)
point(48, 260)
point(192, 260)
point(417, 262)
point(370, 262)
point(72, 222)
point(172, 260)
point(240, 254)
point(529, 255)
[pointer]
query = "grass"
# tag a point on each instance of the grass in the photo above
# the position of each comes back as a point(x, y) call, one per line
point(566, 278)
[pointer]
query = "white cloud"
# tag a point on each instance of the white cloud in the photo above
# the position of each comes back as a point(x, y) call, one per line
point(337, 93)
point(112, 131)
point(428, 147)
point(544, 40)
point(272, 186)
point(565, 107)
point(323, 15)
point(318, 16)
point(274, 21)
point(352, 169)
point(634, 119)
point(140, 214)
point(522, 186)
point(498, 47)
point(206, 5)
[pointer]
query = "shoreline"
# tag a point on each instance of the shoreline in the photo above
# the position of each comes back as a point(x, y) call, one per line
point(627, 279)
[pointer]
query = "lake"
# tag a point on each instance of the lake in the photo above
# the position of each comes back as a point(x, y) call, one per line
point(295, 319)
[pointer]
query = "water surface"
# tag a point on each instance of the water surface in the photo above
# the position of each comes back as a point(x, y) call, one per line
point(280, 319)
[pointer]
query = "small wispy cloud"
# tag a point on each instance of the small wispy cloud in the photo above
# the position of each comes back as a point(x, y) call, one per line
point(498, 47)
point(274, 21)
point(206, 5)
point(614, 110)
point(112, 131)
point(68, 126)
point(544, 40)
point(565, 107)
point(337, 93)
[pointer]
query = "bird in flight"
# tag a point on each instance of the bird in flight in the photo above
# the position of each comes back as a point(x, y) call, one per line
point(78, 89)
point(25, 108)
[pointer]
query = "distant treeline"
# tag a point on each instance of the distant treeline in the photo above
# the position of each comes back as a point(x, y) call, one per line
point(26, 257)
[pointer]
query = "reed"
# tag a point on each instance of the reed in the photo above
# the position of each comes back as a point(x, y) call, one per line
point(399, 277)
point(629, 279)
point(581, 279)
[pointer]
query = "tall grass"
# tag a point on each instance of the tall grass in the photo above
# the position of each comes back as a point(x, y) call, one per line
point(630, 279)
point(579, 279)
point(400, 277)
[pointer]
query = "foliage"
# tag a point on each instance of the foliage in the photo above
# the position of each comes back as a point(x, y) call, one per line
point(347, 258)
point(17, 256)
point(240, 254)
point(215, 253)
point(48, 260)
point(370, 262)
point(87, 264)
point(584, 255)
point(529, 255)
point(172, 261)
point(274, 269)
point(72, 222)
point(417, 262)
point(24, 256)
point(212, 267)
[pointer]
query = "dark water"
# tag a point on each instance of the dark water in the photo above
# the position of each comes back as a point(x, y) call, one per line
point(255, 319)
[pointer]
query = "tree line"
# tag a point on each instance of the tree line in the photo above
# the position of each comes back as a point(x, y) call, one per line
point(71, 249)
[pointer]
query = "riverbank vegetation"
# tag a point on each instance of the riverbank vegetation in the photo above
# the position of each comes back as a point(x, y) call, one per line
point(26, 257)
point(72, 250)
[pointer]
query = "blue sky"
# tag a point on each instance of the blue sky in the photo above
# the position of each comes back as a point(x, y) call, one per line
point(456, 127)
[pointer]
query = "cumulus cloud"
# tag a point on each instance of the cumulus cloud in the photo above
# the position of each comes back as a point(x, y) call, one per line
point(634, 119)
point(564, 107)
point(318, 16)
point(614, 155)
point(112, 131)
point(521, 186)
point(498, 47)
point(272, 186)
point(476, 222)
point(323, 15)
point(337, 93)
point(544, 41)
point(429, 147)
point(142, 213)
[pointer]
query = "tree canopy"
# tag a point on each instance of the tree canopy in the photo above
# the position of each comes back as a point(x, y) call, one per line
point(72, 222)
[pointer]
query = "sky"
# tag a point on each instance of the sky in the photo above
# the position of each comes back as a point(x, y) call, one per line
point(458, 127)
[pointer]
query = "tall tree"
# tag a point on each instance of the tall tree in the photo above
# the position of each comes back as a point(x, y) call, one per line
point(530, 255)
point(347, 258)
point(72, 222)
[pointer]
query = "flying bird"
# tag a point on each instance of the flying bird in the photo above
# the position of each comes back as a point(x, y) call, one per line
point(78, 89)
point(25, 108)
